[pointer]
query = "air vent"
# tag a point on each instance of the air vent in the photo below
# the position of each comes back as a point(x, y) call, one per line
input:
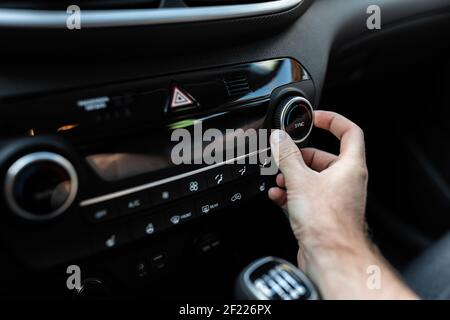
point(83, 4)
point(237, 85)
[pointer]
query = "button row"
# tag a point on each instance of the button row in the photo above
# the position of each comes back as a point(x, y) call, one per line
point(150, 222)
point(167, 193)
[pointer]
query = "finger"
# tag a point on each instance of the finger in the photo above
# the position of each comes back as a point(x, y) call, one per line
point(287, 155)
point(280, 181)
point(278, 196)
point(350, 135)
point(316, 159)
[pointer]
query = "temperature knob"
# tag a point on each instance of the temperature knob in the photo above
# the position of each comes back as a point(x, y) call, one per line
point(295, 115)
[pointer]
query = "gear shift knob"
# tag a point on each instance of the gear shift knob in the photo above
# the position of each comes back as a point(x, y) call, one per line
point(273, 278)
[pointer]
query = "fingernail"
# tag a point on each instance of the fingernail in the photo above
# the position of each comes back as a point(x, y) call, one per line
point(282, 135)
point(279, 136)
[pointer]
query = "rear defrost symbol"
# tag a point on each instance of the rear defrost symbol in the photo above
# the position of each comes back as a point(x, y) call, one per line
point(205, 209)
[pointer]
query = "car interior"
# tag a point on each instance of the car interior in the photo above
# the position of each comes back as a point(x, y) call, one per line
point(91, 92)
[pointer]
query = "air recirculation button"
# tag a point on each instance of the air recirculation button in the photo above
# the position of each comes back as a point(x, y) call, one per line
point(40, 186)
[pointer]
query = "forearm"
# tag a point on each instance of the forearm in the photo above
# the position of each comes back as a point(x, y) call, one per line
point(355, 273)
point(325, 196)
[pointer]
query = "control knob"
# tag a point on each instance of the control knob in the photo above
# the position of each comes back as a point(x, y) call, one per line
point(295, 115)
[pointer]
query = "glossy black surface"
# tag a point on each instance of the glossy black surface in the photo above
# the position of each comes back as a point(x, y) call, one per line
point(41, 188)
point(111, 107)
point(118, 136)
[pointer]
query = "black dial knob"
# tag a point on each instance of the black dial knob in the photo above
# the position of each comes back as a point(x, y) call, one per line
point(40, 186)
point(295, 115)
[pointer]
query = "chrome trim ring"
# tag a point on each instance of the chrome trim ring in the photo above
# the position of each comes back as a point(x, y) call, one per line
point(29, 18)
point(27, 160)
point(286, 108)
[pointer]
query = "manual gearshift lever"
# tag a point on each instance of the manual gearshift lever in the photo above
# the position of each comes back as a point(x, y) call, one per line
point(272, 278)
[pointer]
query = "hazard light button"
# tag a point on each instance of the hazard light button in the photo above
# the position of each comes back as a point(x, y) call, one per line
point(180, 99)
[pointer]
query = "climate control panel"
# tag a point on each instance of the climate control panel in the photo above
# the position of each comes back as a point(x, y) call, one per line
point(90, 170)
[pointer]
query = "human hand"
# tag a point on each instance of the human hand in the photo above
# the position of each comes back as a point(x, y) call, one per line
point(325, 198)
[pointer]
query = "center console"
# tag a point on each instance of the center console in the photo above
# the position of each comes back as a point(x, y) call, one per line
point(87, 170)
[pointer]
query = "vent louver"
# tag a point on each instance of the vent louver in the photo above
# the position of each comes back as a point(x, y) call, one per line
point(237, 85)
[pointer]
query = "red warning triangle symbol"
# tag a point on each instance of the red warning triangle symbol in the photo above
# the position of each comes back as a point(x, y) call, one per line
point(180, 99)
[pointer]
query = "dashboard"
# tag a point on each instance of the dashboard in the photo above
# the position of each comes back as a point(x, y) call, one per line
point(88, 114)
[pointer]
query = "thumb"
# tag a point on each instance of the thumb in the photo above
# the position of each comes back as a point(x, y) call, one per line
point(287, 155)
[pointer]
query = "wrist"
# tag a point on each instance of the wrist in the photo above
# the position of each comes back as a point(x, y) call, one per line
point(355, 271)
point(338, 255)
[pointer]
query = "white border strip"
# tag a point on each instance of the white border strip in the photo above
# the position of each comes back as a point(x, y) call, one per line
point(118, 194)
point(29, 18)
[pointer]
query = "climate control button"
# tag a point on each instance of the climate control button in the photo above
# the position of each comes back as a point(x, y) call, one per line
point(295, 115)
